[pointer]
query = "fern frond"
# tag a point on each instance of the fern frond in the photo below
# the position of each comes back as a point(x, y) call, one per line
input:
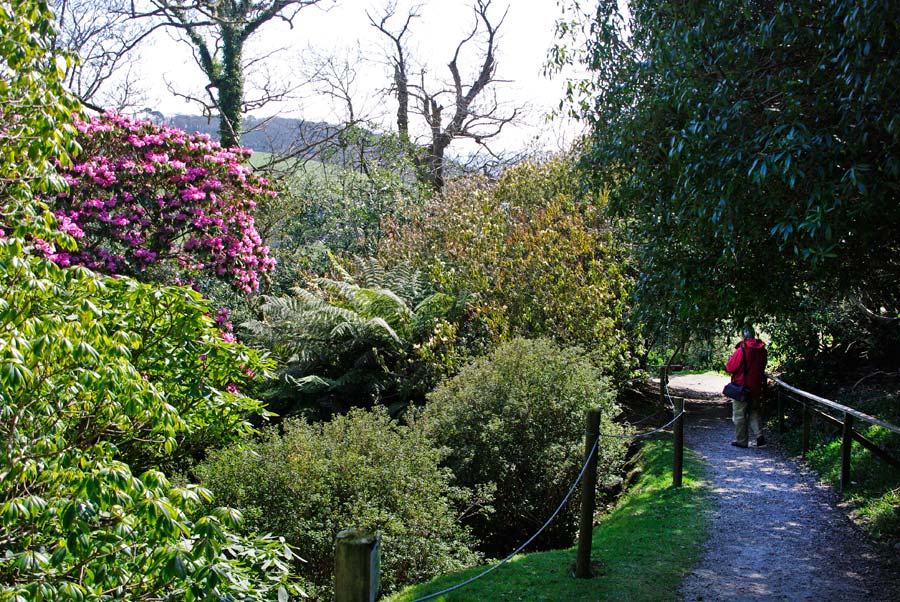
point(310, 383)
point(371, 272)
point(380, 324)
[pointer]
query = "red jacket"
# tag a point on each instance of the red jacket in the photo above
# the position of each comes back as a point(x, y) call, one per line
point(757, 356)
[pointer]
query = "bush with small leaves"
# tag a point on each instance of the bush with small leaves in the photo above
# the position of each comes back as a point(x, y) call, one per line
point(515, 420)
point(361, 470)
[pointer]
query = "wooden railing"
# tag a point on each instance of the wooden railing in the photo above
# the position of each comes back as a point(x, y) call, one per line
point(812, 406)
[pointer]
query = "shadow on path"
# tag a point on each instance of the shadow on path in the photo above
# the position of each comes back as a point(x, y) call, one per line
point(777, 532)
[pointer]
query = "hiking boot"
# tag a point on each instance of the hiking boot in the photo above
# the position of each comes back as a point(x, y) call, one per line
point(760, 441)
point(736, 444)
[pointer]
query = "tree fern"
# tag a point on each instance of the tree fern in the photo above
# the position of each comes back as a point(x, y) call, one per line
point(352, 339)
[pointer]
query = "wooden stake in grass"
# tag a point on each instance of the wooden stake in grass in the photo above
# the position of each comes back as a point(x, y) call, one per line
point(588, 493)
point(678, 446)
point(846, 448)
point(357, 565)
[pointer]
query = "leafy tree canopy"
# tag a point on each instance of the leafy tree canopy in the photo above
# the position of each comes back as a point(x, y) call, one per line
point(97, 372)
point(754, 147)
point(34, 110)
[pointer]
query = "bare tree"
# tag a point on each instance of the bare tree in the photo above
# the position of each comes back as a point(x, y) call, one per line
point(217, 31)
point(344, 139)
point(103, 36)
point(399, 61)
point(472, 107)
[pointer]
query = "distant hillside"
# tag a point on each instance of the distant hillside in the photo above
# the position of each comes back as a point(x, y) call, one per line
point(276, 134)
point(304, 139)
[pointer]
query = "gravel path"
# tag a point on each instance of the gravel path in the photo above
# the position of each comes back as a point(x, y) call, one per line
point(777, 533)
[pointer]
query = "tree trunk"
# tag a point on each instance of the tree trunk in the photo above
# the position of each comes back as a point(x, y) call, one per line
point(231, 89)
point(435, 163)
point(403, 103)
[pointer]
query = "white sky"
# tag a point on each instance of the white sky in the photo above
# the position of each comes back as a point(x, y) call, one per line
point(523, 42)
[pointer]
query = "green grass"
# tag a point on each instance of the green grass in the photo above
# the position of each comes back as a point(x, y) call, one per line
point(300, 166)
point(644, 546)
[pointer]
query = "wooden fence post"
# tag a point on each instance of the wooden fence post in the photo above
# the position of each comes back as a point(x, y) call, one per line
point(588, 493)
point(663, 381)
point(357, 566)
point(678, 445)
point(846, 448)
point(807, 422)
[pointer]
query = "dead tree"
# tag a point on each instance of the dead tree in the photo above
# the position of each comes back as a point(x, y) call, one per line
point(472, 107)
point(400, 63)
point(217, 31)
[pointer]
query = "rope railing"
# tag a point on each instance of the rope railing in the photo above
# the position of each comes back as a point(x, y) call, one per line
point(562, 504)
point(645, 434)
point(678, 413)
point(528, 541)
point(559, 508)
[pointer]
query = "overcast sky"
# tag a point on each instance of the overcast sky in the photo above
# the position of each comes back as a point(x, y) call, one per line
point(343, 30)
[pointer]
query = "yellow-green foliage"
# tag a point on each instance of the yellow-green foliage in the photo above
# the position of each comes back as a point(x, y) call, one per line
point(536, 258)
point(95, 373)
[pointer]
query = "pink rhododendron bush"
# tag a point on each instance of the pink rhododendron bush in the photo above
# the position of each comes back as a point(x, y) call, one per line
point(159, 204)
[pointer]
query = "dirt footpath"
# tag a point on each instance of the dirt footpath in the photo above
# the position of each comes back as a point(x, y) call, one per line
point(777, 533)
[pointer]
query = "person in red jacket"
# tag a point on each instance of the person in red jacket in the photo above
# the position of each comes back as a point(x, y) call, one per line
point(747, 367)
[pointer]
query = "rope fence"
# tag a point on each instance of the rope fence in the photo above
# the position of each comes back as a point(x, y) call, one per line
point(363, 587)
point(528, 541)
point(562, 504)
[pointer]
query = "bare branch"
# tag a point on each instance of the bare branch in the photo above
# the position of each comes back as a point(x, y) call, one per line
point(105, 40)
point(217, 31)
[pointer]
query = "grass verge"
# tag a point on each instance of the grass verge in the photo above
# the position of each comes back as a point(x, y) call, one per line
point(644, 546)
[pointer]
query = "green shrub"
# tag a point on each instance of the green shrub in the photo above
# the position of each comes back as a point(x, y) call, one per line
point(515, 420)
point(361, 470)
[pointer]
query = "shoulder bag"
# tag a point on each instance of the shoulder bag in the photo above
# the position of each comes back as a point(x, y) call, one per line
point(735, 391)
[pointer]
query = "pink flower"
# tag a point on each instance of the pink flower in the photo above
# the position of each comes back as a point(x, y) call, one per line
point(43, 247)
point(145, 255)
point(184, 194)
point(69, 227)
